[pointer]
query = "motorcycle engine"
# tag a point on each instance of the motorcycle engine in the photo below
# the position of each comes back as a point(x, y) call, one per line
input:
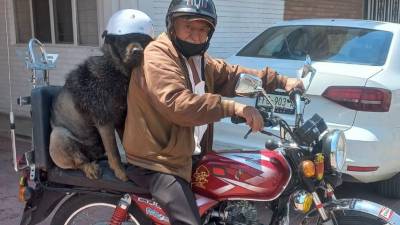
point(235, 213)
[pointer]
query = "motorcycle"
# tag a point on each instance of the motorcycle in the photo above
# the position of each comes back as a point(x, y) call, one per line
point(299, 170)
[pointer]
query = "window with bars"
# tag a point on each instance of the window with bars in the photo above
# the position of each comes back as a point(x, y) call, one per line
point(57, 21)
point(383, 10)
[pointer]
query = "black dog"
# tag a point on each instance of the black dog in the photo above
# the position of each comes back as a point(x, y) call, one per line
point(92, 104)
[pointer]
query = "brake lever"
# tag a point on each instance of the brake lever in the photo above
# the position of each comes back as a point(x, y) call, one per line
point(247, 134)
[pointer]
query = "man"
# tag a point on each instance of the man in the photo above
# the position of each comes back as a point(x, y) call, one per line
point(173, 98)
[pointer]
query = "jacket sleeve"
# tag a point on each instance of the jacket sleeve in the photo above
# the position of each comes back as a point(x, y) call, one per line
point(169, 94)
point(226, 77)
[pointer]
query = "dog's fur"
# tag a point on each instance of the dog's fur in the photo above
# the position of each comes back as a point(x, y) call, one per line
point(92, 104)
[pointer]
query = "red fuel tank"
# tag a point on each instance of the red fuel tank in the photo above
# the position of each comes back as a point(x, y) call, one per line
point(251, 175)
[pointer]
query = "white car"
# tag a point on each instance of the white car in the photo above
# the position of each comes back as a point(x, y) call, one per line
point(356, 89)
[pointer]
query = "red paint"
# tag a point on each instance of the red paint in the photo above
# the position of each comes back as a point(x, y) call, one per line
point(362, 168)
point(218, 171)
point(120, 215)
point(246, 175)
point(249, 175)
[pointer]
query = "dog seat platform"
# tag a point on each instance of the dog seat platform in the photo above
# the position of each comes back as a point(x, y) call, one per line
point(108, 182)
point(41, 102)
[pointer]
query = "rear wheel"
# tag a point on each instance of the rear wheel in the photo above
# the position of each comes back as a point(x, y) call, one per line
point(390, 188)
point(93, 210)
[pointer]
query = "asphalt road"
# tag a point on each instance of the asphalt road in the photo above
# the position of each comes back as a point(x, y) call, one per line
point(11, 208)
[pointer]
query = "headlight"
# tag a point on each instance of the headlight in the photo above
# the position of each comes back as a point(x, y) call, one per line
point(334, 149)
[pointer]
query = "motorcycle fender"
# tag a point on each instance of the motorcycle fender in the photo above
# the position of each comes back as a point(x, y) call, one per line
point(40, 206)
point(364, 206)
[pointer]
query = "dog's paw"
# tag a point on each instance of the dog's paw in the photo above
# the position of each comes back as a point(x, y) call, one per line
point(121, 174)
point(92, 170)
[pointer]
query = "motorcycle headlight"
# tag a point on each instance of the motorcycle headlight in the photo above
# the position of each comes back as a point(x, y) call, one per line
point(334, 149)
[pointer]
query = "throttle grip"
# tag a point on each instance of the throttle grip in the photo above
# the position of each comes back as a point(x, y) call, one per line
point(238, 119)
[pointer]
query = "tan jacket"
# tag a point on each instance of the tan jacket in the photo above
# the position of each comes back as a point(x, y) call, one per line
point(163, 111)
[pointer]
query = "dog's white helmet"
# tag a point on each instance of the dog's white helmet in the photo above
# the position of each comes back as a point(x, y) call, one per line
point(130, 21)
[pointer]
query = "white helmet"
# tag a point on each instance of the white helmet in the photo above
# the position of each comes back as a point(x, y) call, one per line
point(128, 21)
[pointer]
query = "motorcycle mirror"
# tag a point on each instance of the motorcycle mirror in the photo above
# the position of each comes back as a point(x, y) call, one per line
point(307, 67)
point(248, 85)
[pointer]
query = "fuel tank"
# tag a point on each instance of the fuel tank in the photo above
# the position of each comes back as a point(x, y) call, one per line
point(241, 175)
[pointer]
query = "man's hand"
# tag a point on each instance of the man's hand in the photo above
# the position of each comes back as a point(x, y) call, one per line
point(252, 116)
point(294, 83)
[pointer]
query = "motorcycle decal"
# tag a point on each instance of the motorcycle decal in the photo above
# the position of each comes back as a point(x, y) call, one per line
point(244, 175)
point(245, 185)
point(200, 177)
point(256, 162)
point(152, 209)
point(386, 213)
point(224, 189)
point(204, 203)
point(153, 213)
point(148, 202)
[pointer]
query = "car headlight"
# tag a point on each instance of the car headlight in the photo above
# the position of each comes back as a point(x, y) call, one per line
point(334, 149)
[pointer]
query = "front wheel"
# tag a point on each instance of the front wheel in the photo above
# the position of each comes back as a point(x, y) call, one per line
point(83, 209)
point(353, 212)
point(352, 218)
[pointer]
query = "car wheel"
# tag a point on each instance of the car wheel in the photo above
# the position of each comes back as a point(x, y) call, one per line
point(390, 188)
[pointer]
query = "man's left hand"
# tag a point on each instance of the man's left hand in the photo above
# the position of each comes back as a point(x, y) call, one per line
point(294, 83)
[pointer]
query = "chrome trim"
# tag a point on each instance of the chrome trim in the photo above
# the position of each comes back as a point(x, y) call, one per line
point(371, 208)
point(321, 211)
point(299, 200)
point(337, 137)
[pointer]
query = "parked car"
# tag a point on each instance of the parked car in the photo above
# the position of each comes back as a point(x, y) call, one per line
point(356, 89)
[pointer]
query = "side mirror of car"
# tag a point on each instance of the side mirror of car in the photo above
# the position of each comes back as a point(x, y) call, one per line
point(248, 85)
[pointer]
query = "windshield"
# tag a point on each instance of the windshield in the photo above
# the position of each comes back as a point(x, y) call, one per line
point(322, 43)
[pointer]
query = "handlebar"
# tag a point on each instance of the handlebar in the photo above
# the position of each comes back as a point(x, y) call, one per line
point(296, 96)
point(268, 122)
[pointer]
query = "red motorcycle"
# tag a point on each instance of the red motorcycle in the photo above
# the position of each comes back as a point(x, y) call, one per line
point(299, 170)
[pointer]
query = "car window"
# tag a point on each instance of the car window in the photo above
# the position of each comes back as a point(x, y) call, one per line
point(322, 43)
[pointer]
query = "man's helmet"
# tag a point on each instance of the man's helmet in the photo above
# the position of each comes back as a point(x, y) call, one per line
point(196, 8)
point(203, 9)
point(129, 21)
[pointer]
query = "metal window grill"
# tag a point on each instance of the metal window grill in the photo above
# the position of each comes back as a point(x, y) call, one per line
point(383, 10)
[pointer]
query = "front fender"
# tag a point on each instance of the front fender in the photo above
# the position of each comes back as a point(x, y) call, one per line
point(371, 208)
point(41, 205)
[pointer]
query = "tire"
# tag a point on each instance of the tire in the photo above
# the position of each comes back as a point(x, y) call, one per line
point(390, 188)
point(347, 217)
point(102, 207)
point(356, 218)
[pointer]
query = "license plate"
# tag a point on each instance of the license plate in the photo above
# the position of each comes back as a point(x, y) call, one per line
point(282, 102)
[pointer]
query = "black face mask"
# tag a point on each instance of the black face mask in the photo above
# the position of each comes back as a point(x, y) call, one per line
point(189, 49)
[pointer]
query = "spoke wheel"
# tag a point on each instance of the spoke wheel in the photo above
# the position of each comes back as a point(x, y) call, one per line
point(93, 210)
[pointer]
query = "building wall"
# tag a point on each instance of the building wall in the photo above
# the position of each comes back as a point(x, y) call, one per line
point(301, 9)
point(69, 57)
point(238, 22)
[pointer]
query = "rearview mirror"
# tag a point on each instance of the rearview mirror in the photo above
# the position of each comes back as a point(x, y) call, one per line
point(307, 68)
point(248, 85)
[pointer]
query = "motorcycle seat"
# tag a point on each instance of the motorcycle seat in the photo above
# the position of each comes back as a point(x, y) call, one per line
point(108, 182)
